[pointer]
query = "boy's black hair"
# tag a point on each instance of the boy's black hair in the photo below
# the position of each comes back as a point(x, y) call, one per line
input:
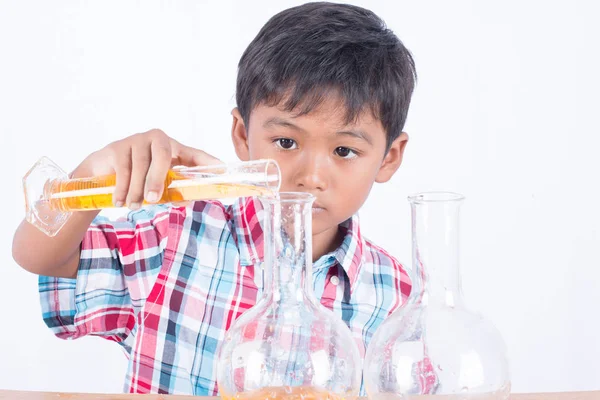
point(303, 53)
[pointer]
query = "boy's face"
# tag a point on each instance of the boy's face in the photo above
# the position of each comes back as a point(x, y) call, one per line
point(318, 153)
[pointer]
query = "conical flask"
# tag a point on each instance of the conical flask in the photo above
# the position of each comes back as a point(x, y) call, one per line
point(288, 345)
point(434, 347)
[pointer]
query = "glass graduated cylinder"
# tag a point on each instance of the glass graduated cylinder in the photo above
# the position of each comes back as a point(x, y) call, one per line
point(253, 178)
point(51, 196)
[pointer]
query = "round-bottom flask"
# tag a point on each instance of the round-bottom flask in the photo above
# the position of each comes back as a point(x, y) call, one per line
point(434, 347)
point(288, 345)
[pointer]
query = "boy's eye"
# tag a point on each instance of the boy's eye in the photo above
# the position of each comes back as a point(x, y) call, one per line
point(287, 144)
point(345, 152)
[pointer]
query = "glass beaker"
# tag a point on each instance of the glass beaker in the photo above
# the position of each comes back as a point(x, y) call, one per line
point(51, 196)
point(433, 345)
point(288, 345)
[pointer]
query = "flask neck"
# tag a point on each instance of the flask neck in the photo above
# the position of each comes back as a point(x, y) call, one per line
point(288, 247)
point(435, 242)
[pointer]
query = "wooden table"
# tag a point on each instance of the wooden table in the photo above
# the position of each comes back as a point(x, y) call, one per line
point(25, 395)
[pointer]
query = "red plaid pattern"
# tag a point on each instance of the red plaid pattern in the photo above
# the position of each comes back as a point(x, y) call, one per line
point(167, 282)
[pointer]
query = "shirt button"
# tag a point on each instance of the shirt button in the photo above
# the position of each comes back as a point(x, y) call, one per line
point(334, 280)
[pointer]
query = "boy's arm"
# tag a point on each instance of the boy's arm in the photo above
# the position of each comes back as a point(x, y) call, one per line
point(141, 163)
point(56, 256)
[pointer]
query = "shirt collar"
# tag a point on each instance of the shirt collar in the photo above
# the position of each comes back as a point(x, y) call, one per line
point(247, 215)
point(350, 253)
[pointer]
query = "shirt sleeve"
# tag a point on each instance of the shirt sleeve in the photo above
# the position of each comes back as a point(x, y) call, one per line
point(119, 263)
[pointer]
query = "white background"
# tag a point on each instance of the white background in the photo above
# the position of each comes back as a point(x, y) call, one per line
point(505, 112)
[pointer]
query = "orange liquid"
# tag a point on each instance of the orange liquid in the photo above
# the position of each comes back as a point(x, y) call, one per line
point(97, 193)
point(287, 393)
point(499, 395)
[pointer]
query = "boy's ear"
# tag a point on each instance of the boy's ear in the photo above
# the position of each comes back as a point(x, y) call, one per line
point(393, 159)
point(239, 136)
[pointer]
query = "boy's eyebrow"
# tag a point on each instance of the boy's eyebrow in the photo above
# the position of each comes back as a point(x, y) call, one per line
point(357, 134)
point(277, 121)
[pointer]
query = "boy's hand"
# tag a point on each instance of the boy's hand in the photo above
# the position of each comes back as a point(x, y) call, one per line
point(141, 163)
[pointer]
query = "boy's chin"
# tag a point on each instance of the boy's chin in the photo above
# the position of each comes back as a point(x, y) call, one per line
point(322, 223)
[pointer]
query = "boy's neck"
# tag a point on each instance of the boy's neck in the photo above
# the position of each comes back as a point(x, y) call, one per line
point(326, 242)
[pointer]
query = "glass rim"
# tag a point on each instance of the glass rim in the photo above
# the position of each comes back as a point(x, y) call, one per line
point(436, 197)
point(273, 166)
point(288, 197)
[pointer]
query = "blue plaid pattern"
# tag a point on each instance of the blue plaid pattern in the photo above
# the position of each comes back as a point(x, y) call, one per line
point(167, 282)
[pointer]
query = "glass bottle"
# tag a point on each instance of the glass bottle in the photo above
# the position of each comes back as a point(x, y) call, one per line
point(433, 345)
point(51, 196)
point(288, 345)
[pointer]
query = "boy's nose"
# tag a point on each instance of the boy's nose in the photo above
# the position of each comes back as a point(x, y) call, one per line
point(311, 174)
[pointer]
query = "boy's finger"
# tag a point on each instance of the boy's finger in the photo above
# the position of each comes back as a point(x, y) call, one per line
point(159, 167)
point(140, 162)
point(191, 157)
point(122, 167)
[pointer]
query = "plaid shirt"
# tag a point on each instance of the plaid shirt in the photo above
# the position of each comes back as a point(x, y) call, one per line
point(167, 282)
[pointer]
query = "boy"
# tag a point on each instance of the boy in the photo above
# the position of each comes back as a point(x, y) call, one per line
point(324, 89)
